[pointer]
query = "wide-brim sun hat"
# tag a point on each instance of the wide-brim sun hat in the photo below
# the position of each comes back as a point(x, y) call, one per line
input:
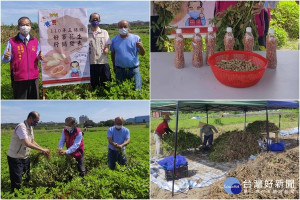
point(201, 124)
point(166, 117)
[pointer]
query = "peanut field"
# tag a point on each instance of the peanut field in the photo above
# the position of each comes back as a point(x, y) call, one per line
point(57, 177)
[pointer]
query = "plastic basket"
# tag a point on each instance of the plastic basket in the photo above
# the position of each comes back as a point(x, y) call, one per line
point(180, 172)
point(238, 79)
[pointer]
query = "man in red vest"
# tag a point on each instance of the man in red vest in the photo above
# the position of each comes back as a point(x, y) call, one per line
point(158, 134)
point(23, 52)
point(73, 137)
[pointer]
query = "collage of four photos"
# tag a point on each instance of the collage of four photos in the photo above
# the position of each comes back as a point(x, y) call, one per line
point(149, 99)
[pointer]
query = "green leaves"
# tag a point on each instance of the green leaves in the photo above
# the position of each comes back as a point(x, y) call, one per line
point(58, 177)
point(238, 17)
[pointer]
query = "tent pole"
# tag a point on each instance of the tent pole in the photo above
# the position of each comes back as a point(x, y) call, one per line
point(267, 127)
point(176, 131)
point(206, 114)
point(298, 129)
point(279, 120)
point(245, 120)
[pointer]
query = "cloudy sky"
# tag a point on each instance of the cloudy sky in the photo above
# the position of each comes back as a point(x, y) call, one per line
point(110, 11)
point(16, 111)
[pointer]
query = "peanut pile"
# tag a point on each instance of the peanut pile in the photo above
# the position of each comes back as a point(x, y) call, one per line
point(237, 65)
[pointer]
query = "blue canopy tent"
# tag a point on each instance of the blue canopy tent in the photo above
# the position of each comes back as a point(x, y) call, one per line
point(173, 105)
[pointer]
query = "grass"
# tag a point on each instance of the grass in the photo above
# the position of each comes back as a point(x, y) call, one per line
point(83, 91)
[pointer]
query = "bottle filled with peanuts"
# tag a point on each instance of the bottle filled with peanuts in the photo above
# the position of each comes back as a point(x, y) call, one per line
point(210, 41)
point(197, 60)
point(179, 49)
point(271, 45)
point(228, 39)
point(248, 40)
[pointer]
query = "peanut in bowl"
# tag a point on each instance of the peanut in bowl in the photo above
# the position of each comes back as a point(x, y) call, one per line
point(242, 68)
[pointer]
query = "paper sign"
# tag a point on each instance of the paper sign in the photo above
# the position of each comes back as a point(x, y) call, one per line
point(64, 44)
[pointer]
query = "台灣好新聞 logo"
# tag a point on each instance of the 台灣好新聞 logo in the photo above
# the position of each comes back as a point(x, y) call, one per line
point(232, 186)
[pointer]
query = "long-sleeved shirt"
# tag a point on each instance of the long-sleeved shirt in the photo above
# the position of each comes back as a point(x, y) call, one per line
point(76, 144)
point(8, 45)
point(207, 130)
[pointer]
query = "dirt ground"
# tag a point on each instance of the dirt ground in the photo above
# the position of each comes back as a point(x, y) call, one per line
point(281, 165)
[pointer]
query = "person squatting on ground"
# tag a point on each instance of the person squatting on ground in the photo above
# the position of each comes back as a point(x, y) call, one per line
point(118, 137)
point(21, 142)
point(207, 129)
point(159, 132)
point(124, 55)
point(98, 49)
point(73, 137)
point(23, 52)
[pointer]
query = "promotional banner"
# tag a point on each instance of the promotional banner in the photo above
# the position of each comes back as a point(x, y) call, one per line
point(194, 14)
point(64, 44)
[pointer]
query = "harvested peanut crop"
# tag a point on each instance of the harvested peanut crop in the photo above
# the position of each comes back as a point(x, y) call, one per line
point(265, 167)
point(237, 65)
point(234, 145)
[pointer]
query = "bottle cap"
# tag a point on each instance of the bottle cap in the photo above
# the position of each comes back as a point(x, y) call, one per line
point(271, 31)
point(228, 29)
point(197, 30)
point(248, 29)
point(178, 31)
point(210, 29)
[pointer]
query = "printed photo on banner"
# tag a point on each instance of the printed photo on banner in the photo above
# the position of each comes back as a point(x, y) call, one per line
point(64, 42)
point(194, 14)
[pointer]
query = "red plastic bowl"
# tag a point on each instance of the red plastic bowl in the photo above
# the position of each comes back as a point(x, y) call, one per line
point(238, 78)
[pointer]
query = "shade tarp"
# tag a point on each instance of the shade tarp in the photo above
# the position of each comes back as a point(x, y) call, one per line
point(222, 105)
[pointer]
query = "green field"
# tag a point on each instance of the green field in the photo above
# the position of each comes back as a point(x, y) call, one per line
point(83, 91)
point(50, 178)
point(224, 124)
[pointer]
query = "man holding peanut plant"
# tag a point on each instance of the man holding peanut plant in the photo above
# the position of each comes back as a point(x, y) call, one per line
point(21, 142)
point(118, 137)
point(73, 137)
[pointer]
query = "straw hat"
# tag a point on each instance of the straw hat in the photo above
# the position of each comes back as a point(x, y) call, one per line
point(166, 117)
point(201, 124)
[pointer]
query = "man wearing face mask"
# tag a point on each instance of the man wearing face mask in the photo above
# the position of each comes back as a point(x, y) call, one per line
point(124, 54)
point(118, 137)
point(73, 137)
point(23, 52)
point(159, 132)
point(21, 142)
point(98, 49)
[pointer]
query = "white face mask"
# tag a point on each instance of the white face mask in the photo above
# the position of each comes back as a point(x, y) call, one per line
point(25, 29)
point(69, 128)
point(118, 126)
point(123, 31)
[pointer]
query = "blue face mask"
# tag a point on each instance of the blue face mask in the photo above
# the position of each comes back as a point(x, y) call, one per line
point(74, 70)
point(95, 23)
point(195, 14)
point(34, 124)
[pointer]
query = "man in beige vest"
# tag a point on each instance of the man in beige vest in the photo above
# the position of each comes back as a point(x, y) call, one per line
point(98, 49)
point(21, 142)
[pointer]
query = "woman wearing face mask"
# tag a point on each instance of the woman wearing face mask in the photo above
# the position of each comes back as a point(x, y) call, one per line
point(21, 142)
point(118, 137)
point(159, 132)
point(124, 55)
point(73, 137)
point(98, 49)
point(23, 52)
